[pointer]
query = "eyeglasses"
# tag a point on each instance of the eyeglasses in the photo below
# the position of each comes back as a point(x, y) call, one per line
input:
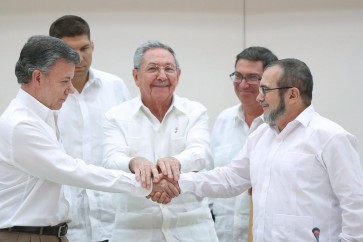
point(263, 89)
point(156, 69)
point(250, 79)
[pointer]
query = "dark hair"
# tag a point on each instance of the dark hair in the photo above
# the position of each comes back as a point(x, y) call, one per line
point(256, 53)
point(69, 26)
point(40, 53)
point(151, 44)
point(297, 74)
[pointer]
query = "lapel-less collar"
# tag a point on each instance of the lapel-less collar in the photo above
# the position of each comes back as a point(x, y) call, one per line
point(93, 79)
point(303, 118)
point(40, 110)
point(176, 102)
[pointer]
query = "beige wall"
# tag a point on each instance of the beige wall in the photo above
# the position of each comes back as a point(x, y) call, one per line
point(206, 35)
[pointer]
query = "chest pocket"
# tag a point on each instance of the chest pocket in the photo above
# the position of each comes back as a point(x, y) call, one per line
point(296, 168)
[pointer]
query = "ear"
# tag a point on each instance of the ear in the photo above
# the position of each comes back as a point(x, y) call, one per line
point(92, 46)
point(36, 77)
point(178, 74)
point(294, 94)
point(135, 74)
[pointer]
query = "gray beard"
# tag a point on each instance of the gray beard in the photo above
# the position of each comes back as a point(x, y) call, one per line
point(273, 115)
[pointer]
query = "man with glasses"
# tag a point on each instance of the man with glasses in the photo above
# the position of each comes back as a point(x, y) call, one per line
point(230, 132)
point(158, 131)
point(304, 169)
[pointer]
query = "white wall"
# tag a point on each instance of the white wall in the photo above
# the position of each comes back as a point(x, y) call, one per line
point(206, 35)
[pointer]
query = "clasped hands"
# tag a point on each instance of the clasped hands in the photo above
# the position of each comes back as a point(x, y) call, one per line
point(164, 176)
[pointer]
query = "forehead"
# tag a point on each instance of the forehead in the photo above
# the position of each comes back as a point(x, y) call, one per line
point(61, 70)
point(271, 76)
point(76, 42)
point(245, 67)
point(158, 56)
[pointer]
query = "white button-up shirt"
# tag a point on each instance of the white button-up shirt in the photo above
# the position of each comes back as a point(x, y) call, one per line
point(229, 134)
point(308, 175)
point(80, 122)
point(33, 165)
point(132, 130)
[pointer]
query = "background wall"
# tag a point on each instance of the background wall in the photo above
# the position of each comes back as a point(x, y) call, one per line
point(207, 35)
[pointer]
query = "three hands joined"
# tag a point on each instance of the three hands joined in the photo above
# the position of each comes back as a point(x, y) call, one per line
point(164, 176)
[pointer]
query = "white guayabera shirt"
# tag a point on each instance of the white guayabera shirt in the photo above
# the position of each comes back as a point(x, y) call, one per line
point(33, 165)
point(229, 134)
point(132, 130)
point(80, 123)
point(308, 175)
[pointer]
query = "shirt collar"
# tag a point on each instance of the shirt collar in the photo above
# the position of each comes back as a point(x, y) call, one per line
point(241, 115)
point(305, 116)
point(34, 105)
point(175, 103)
point(93, 78)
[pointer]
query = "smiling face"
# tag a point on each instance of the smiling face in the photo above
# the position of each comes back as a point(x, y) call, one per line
point(84, 47)
point(157, 77)
point(52, 89)
point(246, 92)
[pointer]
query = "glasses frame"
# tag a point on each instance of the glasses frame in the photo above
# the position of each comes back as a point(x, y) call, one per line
point(263, 90)
point(168, 69)
point(244, 77)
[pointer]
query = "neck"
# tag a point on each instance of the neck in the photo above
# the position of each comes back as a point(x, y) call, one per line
point(251, 112)
point(79, 83)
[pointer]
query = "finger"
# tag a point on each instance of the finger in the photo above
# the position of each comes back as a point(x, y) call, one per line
point(169, 170)
point(137, 174)
point(167, 200)
point(143, 177)
point(155, 174)
point(148, 177)
point(163, 197)
point(174, 190)
point(156, 197)
point(150, 195)
point(162, 167)
point(176, 171)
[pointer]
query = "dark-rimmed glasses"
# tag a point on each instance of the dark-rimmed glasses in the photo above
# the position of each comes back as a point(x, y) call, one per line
point(250, 79)
point(263, 89)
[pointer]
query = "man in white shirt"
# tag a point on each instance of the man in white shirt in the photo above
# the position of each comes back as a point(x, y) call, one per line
point(159, 130)
point(230, 132)
point(80, 123)
point(33, 164)
point(304, 169)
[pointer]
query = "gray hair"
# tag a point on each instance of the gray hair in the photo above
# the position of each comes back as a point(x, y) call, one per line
point(151, 44)
point(41, 53)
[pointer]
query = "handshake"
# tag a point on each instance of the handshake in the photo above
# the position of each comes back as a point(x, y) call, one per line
point(164, 176)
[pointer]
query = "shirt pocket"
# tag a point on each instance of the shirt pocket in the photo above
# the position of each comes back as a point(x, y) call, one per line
point(296, 168)
point(177, 144)
point(292, 228)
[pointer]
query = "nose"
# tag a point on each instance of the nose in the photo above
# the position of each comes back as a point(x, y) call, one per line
point(243, 83)
point(260, 97)
point(161, 74)
point(70, 88)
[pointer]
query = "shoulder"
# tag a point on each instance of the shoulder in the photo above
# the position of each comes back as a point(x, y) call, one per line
point(229, 113)
point(106, 78)
point(324, 126)
point(188, 106)
point(128, 108)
